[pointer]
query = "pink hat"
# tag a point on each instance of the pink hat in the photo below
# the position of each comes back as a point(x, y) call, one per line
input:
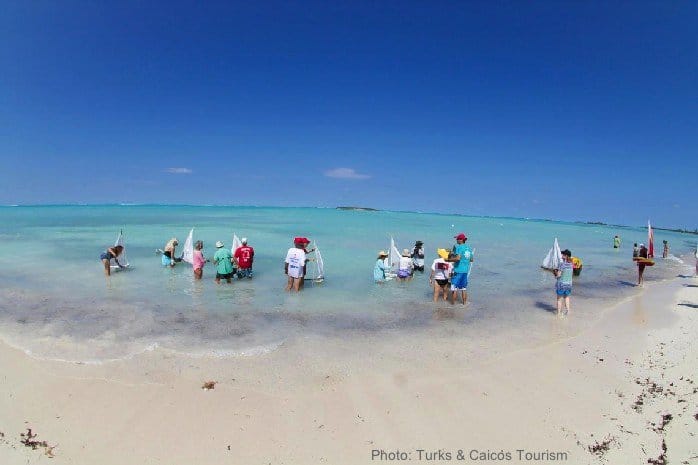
point(461, 237)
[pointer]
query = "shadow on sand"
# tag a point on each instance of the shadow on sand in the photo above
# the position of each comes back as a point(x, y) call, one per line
point(689, 305)
point(548, 307)
point(627, 283)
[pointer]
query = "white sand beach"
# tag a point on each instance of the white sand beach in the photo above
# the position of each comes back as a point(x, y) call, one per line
point(613, 394)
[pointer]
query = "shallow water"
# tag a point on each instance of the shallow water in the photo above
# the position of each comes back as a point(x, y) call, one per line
point(56, 303)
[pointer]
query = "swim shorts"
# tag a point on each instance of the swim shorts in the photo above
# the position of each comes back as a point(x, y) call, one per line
point(564, 292)
point(442, 282)
point(244, 273)
point(104, 256)
point(459, 282)
point(403, 273)
point(224, 276)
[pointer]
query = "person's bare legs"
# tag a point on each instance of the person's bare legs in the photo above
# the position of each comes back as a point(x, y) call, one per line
point(107, 267)
point(297, 284)
point(567, 304)
point(559, 305)
point(198, 273)
point(437, 290)
point(464, 296)
point(289, 284)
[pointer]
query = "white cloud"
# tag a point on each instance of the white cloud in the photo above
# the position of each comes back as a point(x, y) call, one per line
point(345, 173)
point(178, 170)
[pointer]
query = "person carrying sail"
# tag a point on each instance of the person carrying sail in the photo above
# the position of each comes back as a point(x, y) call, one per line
point(111, 254)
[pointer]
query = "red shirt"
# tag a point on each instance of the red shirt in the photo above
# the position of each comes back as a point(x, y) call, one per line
point(244, 255)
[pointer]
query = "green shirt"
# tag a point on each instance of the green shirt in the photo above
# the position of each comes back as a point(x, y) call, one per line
point(222, 259)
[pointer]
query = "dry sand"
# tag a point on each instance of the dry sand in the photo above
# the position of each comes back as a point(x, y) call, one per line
point(603, 396)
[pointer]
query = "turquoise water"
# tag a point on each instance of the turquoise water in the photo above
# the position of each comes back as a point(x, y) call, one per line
point(57, 303)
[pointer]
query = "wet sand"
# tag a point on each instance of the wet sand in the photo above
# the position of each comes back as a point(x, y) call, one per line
point(623, 390)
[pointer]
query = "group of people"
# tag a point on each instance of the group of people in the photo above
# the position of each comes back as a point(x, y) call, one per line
point(449, 271)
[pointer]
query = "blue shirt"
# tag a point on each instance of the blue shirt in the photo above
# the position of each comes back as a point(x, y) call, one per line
point(462, 265)
point(379, 270)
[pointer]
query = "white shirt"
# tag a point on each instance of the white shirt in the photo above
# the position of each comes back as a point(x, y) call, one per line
point(296, 261)
point(406, 263)
point(441, 268)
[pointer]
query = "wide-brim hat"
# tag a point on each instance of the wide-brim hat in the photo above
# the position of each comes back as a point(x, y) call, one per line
point(219, 244)
point(382, 253)
point(406, 252)
point(443, 253)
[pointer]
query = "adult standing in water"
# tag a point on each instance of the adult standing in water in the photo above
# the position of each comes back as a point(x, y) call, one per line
point(636, 250)
point(244, 256)
point(616, 242)
point(223, 260)
point(665, 252)
point(463, 257)
point(198, 260)
point(108, 255)
point(418, 256)
point(294, 264)
point(380, 267)
point(642, 253)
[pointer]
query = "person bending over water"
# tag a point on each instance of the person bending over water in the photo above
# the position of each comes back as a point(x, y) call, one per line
point(198, 260)
point(108, 255)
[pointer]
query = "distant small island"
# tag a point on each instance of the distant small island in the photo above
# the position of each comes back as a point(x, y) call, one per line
point(366, 209)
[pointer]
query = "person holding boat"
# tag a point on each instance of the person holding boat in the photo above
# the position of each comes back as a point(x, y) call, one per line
point(108, 255)
point(379, 269)
point(294, 264)
point(168, 253)
point(418, 256)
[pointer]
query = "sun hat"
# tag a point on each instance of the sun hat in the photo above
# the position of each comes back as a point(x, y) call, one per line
point(406, 252)
point(219, 244)
point(243, 240)
point(443, 253)
point(566, 253)
point(382, 253)
point(419, 243)
point(461, 237)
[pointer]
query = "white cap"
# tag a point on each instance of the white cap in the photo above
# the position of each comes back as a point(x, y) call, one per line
point(243, 240)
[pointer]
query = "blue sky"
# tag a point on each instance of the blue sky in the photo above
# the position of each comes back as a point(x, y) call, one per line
point(563, 110)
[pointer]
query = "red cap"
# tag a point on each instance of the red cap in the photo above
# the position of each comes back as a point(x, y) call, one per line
point(301, 240)
point(461, 237)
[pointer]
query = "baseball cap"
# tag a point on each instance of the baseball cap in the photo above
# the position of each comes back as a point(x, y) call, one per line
point(461, 237)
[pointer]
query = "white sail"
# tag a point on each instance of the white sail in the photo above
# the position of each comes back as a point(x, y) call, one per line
point(319, 265)
point(554, 258)
point(394, 256)
point(188, 249)
point(236, 243)
point(123, 261)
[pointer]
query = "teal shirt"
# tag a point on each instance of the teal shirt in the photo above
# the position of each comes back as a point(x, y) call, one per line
point(379, 270)
point(462, 265)
point(222, 258)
